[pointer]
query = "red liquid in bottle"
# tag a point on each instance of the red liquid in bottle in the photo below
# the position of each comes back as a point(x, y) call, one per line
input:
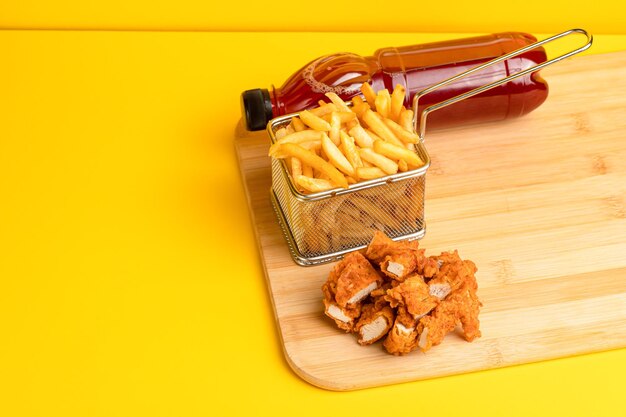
point(416, 68)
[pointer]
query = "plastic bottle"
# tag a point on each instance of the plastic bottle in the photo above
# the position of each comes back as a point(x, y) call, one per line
point(415, 67)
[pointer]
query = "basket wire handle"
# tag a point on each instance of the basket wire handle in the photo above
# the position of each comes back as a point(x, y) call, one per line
point(478, 90)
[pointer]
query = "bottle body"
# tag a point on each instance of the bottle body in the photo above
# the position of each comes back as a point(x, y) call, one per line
point(416, 68)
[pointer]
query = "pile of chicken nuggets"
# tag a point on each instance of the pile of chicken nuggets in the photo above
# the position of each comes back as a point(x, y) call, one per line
point(392, 290)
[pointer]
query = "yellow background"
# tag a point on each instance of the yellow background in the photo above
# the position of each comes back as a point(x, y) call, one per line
point(130, 282)
point(601, 16)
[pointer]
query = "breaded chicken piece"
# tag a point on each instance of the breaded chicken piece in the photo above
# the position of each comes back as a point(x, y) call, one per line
point(379, 295)
point(460, 307)
point(428, 267)
point(467, 309)
point(374, 323)
point(414, 294)
point(380, 246)
point(452, 273)
point(345, 318)
point(400, 264)
point(352, 280)
point(433, 328)
point(402, 338)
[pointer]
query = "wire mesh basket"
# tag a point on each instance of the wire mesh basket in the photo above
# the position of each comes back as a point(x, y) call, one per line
point(323, 226)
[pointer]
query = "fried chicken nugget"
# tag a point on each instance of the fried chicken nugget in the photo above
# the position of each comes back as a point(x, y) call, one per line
point(349, 282)
point(414, 294)
point(451, 275)
point(374, 323)
point(345, 318)
point(461, 306)
point(428, 267)
point(402, 338)
point(400, 265)
point(468, 309)
point(380, 246)
point(352, 280)
point(433, 328)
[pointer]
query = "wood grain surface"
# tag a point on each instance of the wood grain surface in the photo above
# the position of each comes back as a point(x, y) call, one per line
point(538, 203)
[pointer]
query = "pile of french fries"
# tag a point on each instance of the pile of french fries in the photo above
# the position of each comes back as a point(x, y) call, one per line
point(335, 145)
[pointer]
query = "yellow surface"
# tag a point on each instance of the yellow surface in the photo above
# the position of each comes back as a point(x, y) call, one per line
point(603, 16)
point(130, 283)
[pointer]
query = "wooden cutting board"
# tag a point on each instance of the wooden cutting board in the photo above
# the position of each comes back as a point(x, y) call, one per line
point(538, 203)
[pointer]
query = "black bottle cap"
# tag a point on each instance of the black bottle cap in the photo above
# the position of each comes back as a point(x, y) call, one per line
point(256, 107)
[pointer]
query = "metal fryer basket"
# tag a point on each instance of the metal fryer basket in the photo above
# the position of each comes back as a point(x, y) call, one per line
point(322, 227)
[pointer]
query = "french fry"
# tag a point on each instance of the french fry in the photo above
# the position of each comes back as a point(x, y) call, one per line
point(401, 133)
point(295, 137)
point(298, 126)
point(326, 108)
point(383, 103)
point(357, 101)
point(320, 175)
point(296, 167)
point(313, 185)
point(402, 165)
point(337, 101)
point(312, 145)
point(359, 109)
point(369, 94)
point(313, 121)
point(362, 138)
point(369, 173)
point(346, 116)
point(406, 120)
point(336, 157)
point(307, 170)
point(335, 125)
point(380, 128)
point(397, 152)
point(280, 133)
point(382, 162)
point(350, 151)
point(352, 123)
point(316, 162)
point(397, 102)
point(373, 135)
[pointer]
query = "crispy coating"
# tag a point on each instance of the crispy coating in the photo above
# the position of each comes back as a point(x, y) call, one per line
point(429, 266)
point(380, 246)
point(374, 323)
point(400, 264)
point(461, 306)
point(352, 279)
point(414, 294)
point(379, 295)
point(392, 290)
point(345, 318)
point(402, 338)
point(452, 274)
point(467, 307)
